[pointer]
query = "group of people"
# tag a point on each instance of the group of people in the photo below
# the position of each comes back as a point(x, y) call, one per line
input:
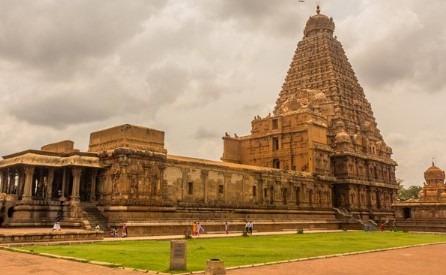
point(249, 226)
point(196, 229)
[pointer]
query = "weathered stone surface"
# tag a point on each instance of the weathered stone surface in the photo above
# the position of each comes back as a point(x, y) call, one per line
point(178, 256)
point(127, 136)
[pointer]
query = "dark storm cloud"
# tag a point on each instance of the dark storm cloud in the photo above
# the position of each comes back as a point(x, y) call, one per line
point(60, 35)
point(71, 106)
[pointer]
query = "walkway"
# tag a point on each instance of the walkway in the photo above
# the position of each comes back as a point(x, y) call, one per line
point(415, 260)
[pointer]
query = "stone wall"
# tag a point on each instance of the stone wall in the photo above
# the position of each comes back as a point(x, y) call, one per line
point(140, 187)
point(127, 136)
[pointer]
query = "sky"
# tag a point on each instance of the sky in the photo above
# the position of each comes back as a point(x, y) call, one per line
point(196, 69)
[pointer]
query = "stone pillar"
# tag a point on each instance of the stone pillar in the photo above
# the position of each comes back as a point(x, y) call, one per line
point(76, 182)
point(108, 185)
point(49, 188)
point(260, 191)
point(21, 183)
point(226, 184)
point(94, 173)
point(2, 185)
point(11, 183)
point(64, 183)
point(204, 180)
point(27, 190)
point(163, 185)
point(5, 180)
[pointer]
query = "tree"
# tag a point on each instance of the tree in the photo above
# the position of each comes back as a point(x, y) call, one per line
point(410, 193)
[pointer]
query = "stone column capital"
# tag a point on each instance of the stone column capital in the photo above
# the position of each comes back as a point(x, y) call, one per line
point(76, 171)
point(28, 169)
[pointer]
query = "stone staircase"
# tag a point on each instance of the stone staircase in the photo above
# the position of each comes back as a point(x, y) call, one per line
point(94, 216)
point(368, 224)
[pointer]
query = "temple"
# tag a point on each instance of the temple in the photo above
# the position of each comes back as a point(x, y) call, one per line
point(323, 124)
point(318, 152)
point(428, 212)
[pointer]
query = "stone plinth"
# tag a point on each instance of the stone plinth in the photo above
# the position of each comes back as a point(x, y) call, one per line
point(178, 255)
point(215, 267)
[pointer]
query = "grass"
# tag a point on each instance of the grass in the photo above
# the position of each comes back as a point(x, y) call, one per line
point(236, 251)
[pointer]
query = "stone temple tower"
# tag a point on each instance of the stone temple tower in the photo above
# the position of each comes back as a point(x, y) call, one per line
point(323, 124)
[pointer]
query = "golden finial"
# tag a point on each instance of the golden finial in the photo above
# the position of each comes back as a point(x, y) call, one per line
point(318, 9)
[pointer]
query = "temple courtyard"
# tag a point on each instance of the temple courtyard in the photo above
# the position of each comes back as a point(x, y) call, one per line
point(407, 260)
point(410, 260)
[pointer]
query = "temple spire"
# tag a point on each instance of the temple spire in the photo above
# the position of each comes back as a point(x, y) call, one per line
point(318, 9)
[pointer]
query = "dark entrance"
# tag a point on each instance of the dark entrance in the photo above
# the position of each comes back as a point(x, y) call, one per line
point(407, 213)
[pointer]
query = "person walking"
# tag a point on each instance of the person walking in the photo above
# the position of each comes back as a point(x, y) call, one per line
point(199, 229)
point(250, 227)
point(226, 227)
point(124, 230)
point(194, 229)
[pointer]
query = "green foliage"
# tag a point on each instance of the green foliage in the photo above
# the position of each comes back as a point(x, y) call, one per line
point(235, 251)
point(410, 193)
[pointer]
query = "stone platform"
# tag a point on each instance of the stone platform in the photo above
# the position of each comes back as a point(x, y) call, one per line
point(32, 235)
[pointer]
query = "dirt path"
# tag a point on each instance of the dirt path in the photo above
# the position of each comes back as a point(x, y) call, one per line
point(416, 260)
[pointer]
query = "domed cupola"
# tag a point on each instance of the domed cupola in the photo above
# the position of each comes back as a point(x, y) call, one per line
point(434, 175)
point(319, 23)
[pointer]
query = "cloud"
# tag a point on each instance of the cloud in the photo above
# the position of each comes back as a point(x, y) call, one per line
point(58, 36)
point(206, 133)
point(198, 68)
point(397, 47)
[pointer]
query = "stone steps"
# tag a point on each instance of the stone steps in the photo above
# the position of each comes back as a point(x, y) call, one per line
point(95, 217)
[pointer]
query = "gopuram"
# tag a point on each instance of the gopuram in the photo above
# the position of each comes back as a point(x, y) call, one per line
point(428, 212)
point(320, 150)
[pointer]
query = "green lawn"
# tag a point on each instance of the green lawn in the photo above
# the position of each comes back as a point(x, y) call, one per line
point(235, 251)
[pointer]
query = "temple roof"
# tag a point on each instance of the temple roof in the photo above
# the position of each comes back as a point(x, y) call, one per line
point(319, 23)
point(434, 173)
point(50, 159)
point(320, 66)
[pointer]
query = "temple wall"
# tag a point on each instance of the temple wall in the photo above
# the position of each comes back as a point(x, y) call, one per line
point(417, 216)
point(185, 189)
